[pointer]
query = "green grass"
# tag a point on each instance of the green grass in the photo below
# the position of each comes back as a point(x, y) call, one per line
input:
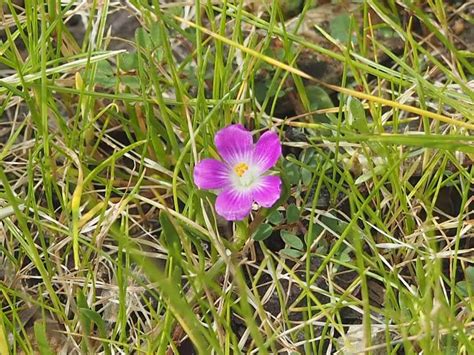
point(106, 245)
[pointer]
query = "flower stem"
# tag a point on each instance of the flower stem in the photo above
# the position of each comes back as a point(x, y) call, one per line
point(241, 234)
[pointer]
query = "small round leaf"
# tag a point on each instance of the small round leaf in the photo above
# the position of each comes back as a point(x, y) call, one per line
point(292, 240)
point(263, 232)
point(292, 214)
point(291, 252)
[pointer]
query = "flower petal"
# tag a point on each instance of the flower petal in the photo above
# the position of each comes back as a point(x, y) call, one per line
point(268, 190)
point(234, 205)
point(234, 143)
point(267, 151)
point(211, 174)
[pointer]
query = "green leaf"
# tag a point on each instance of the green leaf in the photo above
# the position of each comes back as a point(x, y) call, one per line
point(292, 213)
point(95, 318)
point(129, 61)
point(263, 232)
point(81, 300)
point(172, 293)
point(88, 317)
point(277, 53)
point(105, 81)
point(309, 157)
point(275, 218)
point(104, 68)
point(291, 252)
point(462, 288)
point(356, 115)
point(292, 171)
point(260, 91)
point(339, 27)
point(131, 81)
point(155, 33)
point(292, 240)
point(344, 257)
point(436, 141)
point(318, 98)
point(333, 223)
point(323, 247)
point(42, 339)
point(377, 171)
point(466, 287)
point(171, 236)
point(143, 38)
point(306, 176)
point(105, 75)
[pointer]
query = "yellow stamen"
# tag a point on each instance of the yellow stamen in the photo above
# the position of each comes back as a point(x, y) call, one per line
point(240, 169)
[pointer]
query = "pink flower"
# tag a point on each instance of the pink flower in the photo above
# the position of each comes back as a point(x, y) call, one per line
point(240, 177)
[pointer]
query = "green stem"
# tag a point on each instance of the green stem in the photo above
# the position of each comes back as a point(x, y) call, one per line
point(241, 234)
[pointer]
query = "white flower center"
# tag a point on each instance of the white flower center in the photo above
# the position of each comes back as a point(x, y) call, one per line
point(244, 176)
